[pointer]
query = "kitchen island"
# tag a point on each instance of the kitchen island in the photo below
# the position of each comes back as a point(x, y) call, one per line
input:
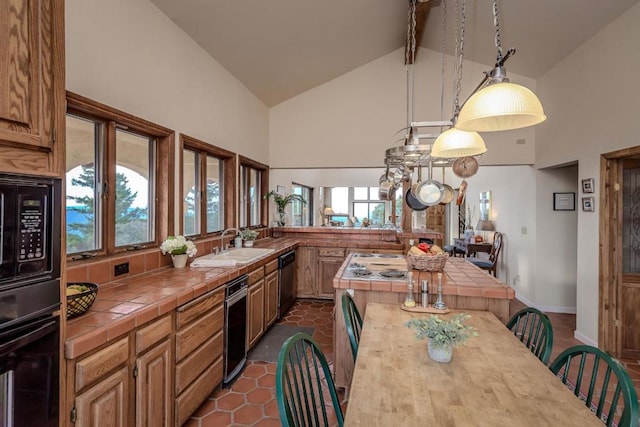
point(464, 286)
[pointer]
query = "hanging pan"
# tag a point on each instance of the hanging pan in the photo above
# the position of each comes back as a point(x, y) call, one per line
point(448, 192)
point(410, 198)
point(461, 192)
point(429, 192)
point(465, 167)
point(386, 187)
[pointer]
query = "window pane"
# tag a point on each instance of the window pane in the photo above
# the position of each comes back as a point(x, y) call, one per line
point(254, 194)
point(399, 205)
point(340, 199)
point(360, 193)
point(373, 193)
point(376, 214)
point(133, 188)
point(361, 211)
point(191, 192)
point(82, 204)
point(214, 202)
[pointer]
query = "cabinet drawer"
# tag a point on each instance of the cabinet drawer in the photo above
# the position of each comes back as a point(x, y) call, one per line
point(334, 252)
point(197, 392)
point(151, 334)
point(271, 267)
point(255, 276)
point(206, 303)
point(92, 368)
point(192, 336)
point(198, 361)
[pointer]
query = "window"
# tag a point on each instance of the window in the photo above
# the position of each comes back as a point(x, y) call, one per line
point(367, 204)
point(115, 185)
point(204, 189)
point(302, 212)
point(359, 202)
point(253, 185)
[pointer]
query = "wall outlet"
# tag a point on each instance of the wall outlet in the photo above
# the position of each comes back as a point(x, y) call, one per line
point(120, 269)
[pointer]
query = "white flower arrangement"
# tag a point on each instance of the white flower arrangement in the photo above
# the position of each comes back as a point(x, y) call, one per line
point(248, 234)
point(178, 245)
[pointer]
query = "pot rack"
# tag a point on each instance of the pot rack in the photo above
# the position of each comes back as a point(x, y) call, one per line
point(415, 153)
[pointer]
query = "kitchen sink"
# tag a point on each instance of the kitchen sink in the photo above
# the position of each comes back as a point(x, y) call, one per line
point(231, 258)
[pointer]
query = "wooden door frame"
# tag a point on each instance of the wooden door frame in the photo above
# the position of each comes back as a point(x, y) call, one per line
point(610, 260)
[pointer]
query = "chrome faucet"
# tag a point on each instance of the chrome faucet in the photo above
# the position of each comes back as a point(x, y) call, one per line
point(222, 238)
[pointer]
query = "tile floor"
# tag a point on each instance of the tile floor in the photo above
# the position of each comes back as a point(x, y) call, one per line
point(251, 399)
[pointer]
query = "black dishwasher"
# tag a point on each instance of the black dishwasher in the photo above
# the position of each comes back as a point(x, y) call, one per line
point(235, 328)
point(287, 280)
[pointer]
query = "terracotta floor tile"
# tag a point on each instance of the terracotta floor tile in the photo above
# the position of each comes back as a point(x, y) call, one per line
point(216, 419)
point(231, 401)
point(248, 415)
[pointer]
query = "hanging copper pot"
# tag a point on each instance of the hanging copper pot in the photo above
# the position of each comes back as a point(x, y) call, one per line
point(465, 167)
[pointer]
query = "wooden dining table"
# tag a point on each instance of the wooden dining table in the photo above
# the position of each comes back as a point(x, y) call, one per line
point(492, 379)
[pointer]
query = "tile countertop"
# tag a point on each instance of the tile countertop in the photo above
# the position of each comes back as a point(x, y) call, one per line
point(122, 305)
point(458, 278)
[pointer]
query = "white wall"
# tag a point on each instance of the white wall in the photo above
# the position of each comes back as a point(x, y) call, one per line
point(129, 55)
point(592, 99)
point(556, 237)
point(351, 120)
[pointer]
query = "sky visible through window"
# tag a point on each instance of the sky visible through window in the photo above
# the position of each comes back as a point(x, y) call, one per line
point(137, 183)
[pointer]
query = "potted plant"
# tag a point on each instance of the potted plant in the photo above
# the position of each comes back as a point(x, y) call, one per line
point(282, 200)
point(248, 236)
point(442, 335)
point(180, 249)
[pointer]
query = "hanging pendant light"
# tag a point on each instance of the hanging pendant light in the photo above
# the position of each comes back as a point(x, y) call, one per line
point(497, 104)
point(455, 143)
point(458, 143)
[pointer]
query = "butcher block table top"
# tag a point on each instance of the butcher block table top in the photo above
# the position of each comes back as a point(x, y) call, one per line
point(492, 380)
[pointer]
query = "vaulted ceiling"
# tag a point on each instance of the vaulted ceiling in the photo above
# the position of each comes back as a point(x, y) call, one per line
point(281, 48)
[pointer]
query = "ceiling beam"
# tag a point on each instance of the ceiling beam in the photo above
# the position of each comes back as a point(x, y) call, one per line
point(422, 13)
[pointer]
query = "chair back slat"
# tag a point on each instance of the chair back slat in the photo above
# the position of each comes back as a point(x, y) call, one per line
point(533, 328)
point(606, 381)
point(353, 322)
point(305, 390)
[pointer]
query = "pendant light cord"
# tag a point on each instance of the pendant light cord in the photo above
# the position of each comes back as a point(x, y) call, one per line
point(496, 24)
point(461, 9)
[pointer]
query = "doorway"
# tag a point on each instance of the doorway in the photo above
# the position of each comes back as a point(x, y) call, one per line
point(620, 254)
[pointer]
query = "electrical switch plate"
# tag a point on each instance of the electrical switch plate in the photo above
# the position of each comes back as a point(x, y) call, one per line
point(121, 269)
point(523, 230)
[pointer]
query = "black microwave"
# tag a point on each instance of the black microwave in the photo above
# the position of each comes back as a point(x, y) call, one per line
point(30, 232)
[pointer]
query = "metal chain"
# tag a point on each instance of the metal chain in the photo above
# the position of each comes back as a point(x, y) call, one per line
point(413, 30)
point(406, 51)
point(460, 55)
point(443, 38)
point(496, 24)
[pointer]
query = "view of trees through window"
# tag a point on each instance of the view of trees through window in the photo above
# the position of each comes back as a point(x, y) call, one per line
point(212, 206)
point(83, 230)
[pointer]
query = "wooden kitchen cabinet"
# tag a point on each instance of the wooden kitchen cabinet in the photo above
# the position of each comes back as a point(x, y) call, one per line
point(152, 372)
point(32, 105)
point(329, 262)
point(307, 271)
point(102, 383)
point(255, 313)
point(198, 352)
point(106, 403)
point(271, 298)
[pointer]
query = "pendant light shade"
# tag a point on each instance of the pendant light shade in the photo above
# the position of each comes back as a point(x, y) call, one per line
point(455, 143)
point(501, 106)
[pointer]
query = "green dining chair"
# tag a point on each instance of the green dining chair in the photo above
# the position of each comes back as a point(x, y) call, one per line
point(353, 322)
point(305, 390)
point(601, 382)
point(533, 328)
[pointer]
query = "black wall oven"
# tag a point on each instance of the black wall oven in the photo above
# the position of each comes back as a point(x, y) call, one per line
point(30, 235)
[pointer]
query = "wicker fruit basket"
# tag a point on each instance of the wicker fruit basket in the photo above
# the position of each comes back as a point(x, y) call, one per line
point(79, 303)
point(428, 262)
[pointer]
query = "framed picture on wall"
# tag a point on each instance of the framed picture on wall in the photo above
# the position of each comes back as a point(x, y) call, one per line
point(280, 189)
point(564, 201)
point(587, 204)
point(587, 185)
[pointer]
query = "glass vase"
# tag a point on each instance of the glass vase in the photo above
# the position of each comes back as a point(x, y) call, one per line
point(440, 352)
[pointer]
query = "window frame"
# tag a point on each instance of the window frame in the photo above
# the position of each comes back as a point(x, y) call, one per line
point(264, 188)
point(228, 195)
point(309, 204)
point(163, 171)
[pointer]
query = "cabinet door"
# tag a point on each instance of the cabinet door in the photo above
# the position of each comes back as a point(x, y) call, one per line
point(105, 404)
point(255, 312)
point(27, 71)
point(327, 269)
point(153, 387)
point(271, 298)
point(306, 270)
